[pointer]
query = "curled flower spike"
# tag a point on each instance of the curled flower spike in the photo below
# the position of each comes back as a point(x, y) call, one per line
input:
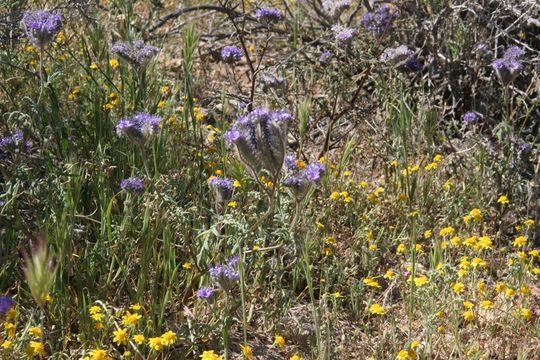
point(139, 128)
point(382, 18)
point(223, 188)
point(509, 66)
point(300, 181)
point(260, 138)
point(14, 142)
point(227, 274)
point(41, 26)
point(137, 53)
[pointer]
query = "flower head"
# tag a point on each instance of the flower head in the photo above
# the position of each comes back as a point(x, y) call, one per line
point(41, 26)
point(222, 186)
point(471, 117)
point(509, 66)
point(380, 20)
point(139, 128)
point(205, 293)
point(225, 275)
point(133, 185)
point(231, 54)
point(6, 302)
point(14, 142)
point(268, 15)
point(334, 8)
point(137, 52)
point(343, 34)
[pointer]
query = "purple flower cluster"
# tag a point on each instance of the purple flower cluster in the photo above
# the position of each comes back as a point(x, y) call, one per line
point(6, 302)
point(41, 26)
point(509, 66)
point(325, 56)
point(271, 81)
point(260, 138)
point(14, 141)
point(381, 19)
point(334, 8)
point(231, 54)
point(343, 34)
point(222, 186)
point(471, 117)
point(137, 53)
point(205, 293)
point(225, 275)
point(138, 128)
point(268, 15)
point(401, 57)
point(133, 185)
point(299, 181)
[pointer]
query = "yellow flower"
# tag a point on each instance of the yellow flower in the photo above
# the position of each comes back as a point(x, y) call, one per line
point(503, 200)
point(97, 316)
point(161, 105)
point(247, 351)
point(525, 313)
point(427, 234)
point(520, 241)
point(99, 354)
point(35, 331)
point(7, 345)
point(114, 64)
point(130, 319)
point(421, 281)
point(528, 223)
point(136, 307)
point(438, 158)
point(468, 315)
point(99, 326)
point(484, 242)
point(120, 336)
point(389, 275)
point(232, 204)
point(447, 231)
point(139, 339)
point(210, 355)
point(458, 287)
point(369, 281)
point(168, 338)
point(35, 349)
point(11, 314)
point(237, 184)
point(415, 344)
point(93, 66)
point(486, 304)
point(155, 343)
point(165, 89)
point(363, 184)
point(401, 248)
point(377, 309)
point(10, 329)
point(186, 266)
point(94, 310)
point(406, 355)
point(468, 305)
point(476, 214)
point(279, 342)
point(295, 357)
point(448, 185)
point(127, 354)
point(481, 286)
point(431, 166)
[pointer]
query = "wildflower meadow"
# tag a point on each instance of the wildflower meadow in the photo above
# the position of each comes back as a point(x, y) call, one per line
point(269, 179)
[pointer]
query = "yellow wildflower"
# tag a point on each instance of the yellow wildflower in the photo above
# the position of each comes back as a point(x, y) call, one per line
point(279, 342)
point(377, 309)
point(120, 336)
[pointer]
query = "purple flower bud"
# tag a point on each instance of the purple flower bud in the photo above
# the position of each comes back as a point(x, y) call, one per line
point(471, 117)
point(325, 56)
point(381, 19)
point(139, 127)
point(314, 172)
point(222, 186)
point(136, 53)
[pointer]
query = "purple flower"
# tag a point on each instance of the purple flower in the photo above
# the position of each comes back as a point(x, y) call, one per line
point(281, 116)
point(225, 275)
point(381, 19)
point(231, 54)
point(343, 34)
point(6, 302)
point(509, 66)
point(334, 8)
point(314, 172)
point(138, 128)
point(232, 135)
point(137, 53)
point(41, 26)
point(205, 293)
point(222, 186)
point(412, 64)
point(133, 185)
point(325, 56)
point(470, 117)
point(268, 15)
point(14, 141)
point(300, 181)
point(290, 162)
point(271, 81)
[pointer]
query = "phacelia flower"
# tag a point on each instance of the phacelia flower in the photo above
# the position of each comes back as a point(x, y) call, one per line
point(270, 81)
point(137, 52)
point(223, 187)
point(138, 128)
point(231, 54)
point(205, 293)
point(471, 117)
point(6, 302)
point(334, 8)
point(225, 275)
point(325, 56)
point(268, 15)
point(381, 19)
point(343, 34)
point(260, 138)
point(14, 141)
point(509, 66)
point(300, 181)
point(133, 185)
point(41, 26)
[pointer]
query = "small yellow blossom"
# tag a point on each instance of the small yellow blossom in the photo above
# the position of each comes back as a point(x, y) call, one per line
point(389, 275)
point(520, 241)
point(35, 331)
point(503, 200)
point(93, 66)
point(114, 63)
point(427, 234)
point(232, 204)
point(377, 309)
point(210, 355)
point(130, 319)
point(401, 248)
point(35, 349)
point(525, 313)
point(486, 304)
point(187, 265)
point(369, 281)
point(421, 281)
point(458, 287)
point(139, 339)
point(279, 342)
point(155, 343)
point(247, 351)
point(168, 338)
point(295, 357)
point(120, 336)
point(468, 315)
point(7, 345)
